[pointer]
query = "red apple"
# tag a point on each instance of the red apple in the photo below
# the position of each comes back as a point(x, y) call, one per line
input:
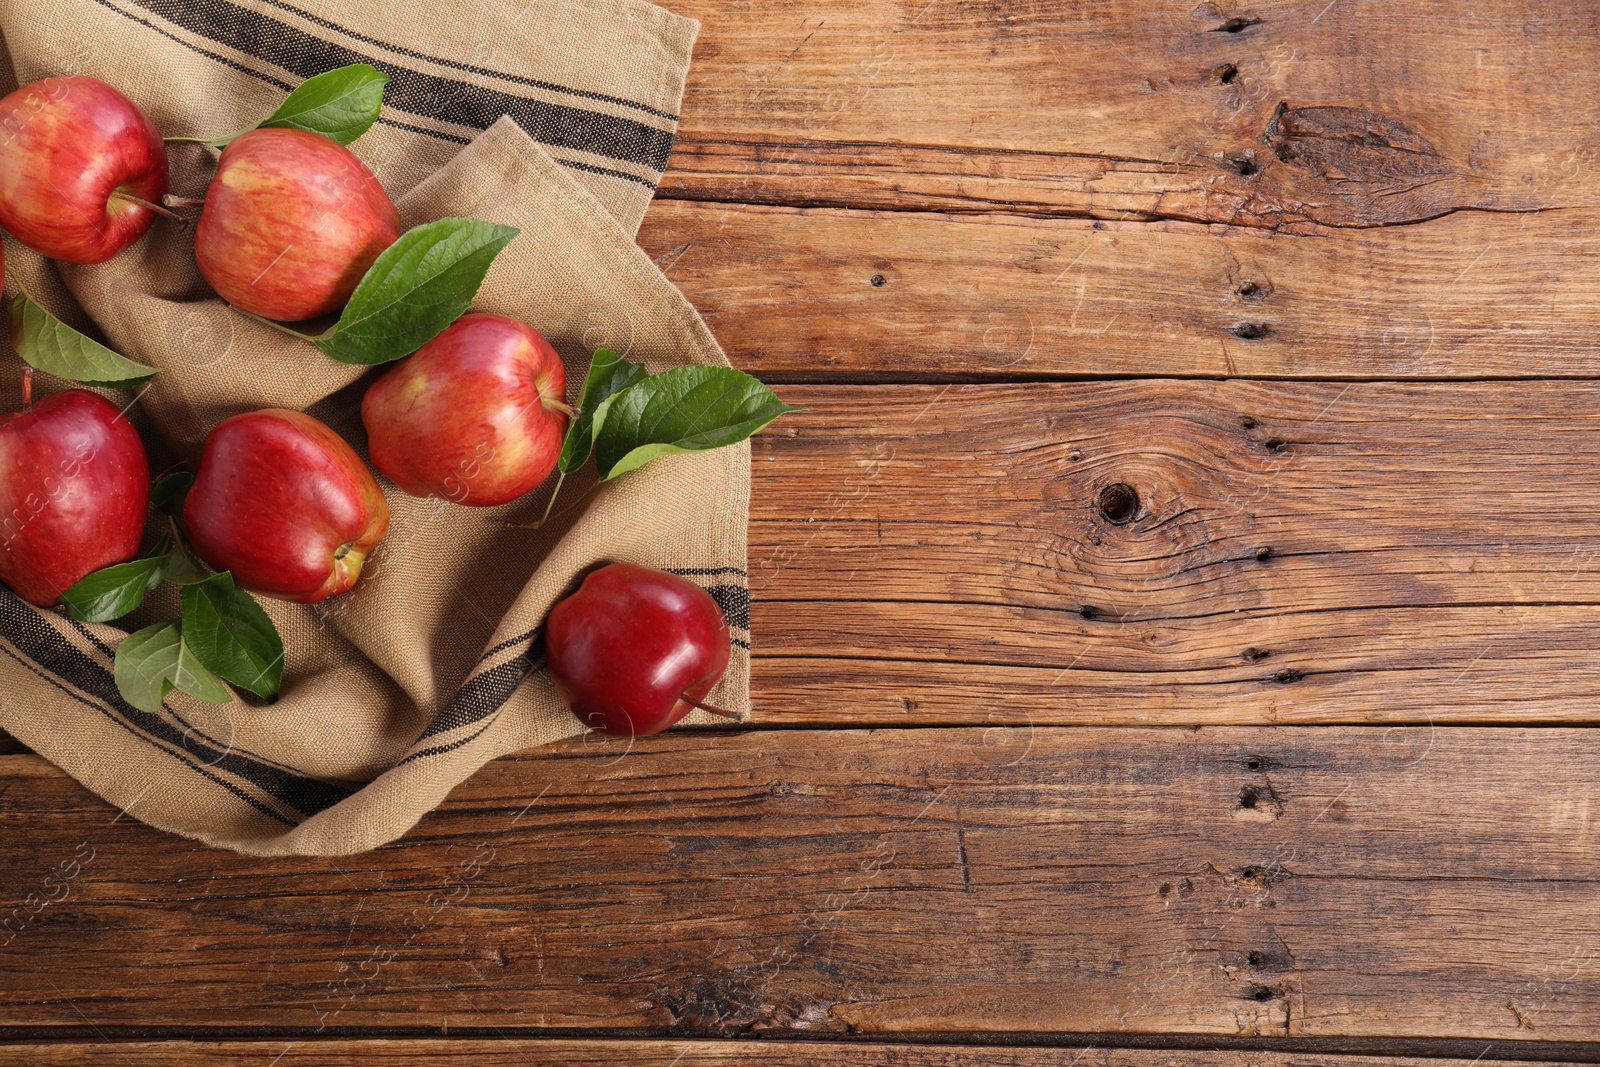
point(74, 488)
point(291, 222)
point(80, 167)
point(634, 649)
point(475, 415)
point(285, 504)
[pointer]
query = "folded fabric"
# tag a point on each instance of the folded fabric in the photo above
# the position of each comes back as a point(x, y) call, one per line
point(555, 116)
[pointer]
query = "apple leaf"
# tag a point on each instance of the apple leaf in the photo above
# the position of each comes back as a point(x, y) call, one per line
point(169, 493)
point(152, 662)
point(609, 374)
point(46, 343)
point(686, 409)
point(231, 636)
point(340, 104)
point(112, 592)
point(181, 567)
point(418, 286)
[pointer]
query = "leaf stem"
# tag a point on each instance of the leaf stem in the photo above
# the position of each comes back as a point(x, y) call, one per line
point(560, 478)
point(551, 518)
point(188, 140)
point(276, 325)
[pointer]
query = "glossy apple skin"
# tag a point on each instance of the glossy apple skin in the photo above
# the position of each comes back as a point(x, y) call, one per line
point(286, 505)
point(67, 144)
point(630, 643)
point(292, 220)
point(74, 489)
point(468, 416)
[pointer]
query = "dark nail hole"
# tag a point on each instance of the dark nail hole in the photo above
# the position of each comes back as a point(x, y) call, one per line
point(1237, 24)
point(1244, 166)
point(1255, 763)
point(1250, 331)
point(1119, 503)
point(1247, 422)
point(877, 281)
point(1287, 675)
point(1248, 797)
point(1261, 992)
point(1253, 291)
point(1225, 73)
point(1088, 611)
point(1248, 873)
point(1273, 444)
point(1264, 553)
point(1255, 959)
point(1165, 889)
point(1252, 654)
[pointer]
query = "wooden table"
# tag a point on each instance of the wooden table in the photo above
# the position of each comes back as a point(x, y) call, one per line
point(1177, 614)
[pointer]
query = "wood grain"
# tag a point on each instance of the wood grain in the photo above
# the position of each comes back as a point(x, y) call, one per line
point(1254, 882)
point(1357, 552)
point(513, 1052)
point(1261, 114)
point(798, 294)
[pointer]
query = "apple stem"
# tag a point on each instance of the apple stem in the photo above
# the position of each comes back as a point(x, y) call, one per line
point(157, 208)
point(172, 200)
point(27, 388)
point(566, 409)
point(712, 708)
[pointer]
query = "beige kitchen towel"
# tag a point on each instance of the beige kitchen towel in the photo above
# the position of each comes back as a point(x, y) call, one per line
point(555, 116)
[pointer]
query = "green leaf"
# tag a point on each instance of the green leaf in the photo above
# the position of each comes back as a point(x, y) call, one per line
point(48, 344)
point(421, 284)
point(340, 104)
point(112, 592)
point(609, 374)
point(181, 567)
point(686, 409)
point(152, 662)
point(232, 636)
point(170, 491)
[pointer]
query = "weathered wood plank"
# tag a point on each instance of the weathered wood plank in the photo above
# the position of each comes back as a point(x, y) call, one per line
point(1360, 553)
point(515, 1052)
point(1266, 881)
point(1120, 108)
point(1357, 552)
point(815, 294)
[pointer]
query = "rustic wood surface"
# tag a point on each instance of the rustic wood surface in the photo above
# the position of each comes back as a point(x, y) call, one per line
point(806, 294)
point(1236, 881)
point(1314, 552)
point(512, 1052)
point(1254, 114)
point(1207, 366)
